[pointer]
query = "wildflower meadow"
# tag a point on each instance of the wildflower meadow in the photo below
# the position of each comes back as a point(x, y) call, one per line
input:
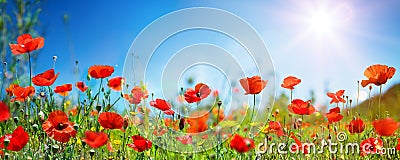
point(39, 121)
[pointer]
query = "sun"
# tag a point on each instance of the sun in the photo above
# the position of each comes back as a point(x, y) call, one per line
point(322, 22)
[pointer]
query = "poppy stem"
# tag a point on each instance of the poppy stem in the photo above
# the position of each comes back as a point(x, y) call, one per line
point(30, 69)
point(379, 102)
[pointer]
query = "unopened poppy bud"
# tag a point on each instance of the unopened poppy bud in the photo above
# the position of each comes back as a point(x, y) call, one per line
point(7, 156)
point(5, 63)
point(6, 141)
point(219, 103)
point(41, 115)
point(98, 108)
point(76, 126)
point(54, 58)
point(370, 87)
point(35, 127)
point(76, 62)
point(55, 148)
point(91, 152)
point(277, 111)
point(16, 120)
point(102, 89)
point(88, 77)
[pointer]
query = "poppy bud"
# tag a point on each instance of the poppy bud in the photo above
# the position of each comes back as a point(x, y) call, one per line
point(76, 62)
point(102, 89)
point(219, 103)
point(6, 141)
point(370, 87)
point(41, 115)
point(76, 126)
point(88, 77)
point(91, 153)
point(98, 108)
point(182, 123)
point(335, 128)
point(35, 127)
point(55, 148)
point(7, 156)
point(16, 120)
point(277, 111)
point(54, 58)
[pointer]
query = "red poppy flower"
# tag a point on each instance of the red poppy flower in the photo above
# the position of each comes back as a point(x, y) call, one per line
point(356, 126)
point(11, 88)
point(290, 81)
point(137, 94)
point(95, 139)
point(18, 139)
point(276, 128)
point(59, 127)
point(334, 115)
point(21, 93)
point(336, 97)
point(116, 83)
point(385, 127)
point(111, 120)
point(398, 144)
point(253, 85)
point(25, 44)
point(81, 86)
point(46, 78)
point(185, 139)
point(300, 107)
point(4, 112)
point(198, 124)
point(100, 71)
point(200, 92)
point(241, 144)
point(370, 146)
point(63, 90)
point(162, 105)
point(140, 144)
point(378, 74)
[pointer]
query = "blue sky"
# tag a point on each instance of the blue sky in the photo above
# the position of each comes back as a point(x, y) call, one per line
point(328, 44)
